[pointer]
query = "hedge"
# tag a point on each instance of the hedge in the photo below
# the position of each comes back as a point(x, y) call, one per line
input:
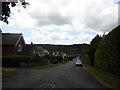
point(17, 60)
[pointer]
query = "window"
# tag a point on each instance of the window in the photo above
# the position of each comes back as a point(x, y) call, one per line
point(19, 48)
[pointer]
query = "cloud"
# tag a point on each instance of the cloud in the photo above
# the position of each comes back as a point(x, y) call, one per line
point(48, 12)
point(102, 16)
point(96, 15)
point(56, 37)
point(63, 21)
point(52, 19)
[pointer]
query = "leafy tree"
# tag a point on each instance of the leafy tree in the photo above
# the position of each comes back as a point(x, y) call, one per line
point(6, 10)
point(93, 47)
point(107, 55)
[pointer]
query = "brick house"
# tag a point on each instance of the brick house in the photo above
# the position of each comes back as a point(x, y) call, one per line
point(13, 44)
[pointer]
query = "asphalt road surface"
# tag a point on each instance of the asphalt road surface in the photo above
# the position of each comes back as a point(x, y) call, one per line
point(62, 76)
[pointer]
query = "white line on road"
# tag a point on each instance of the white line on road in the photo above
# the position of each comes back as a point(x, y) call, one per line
point(52, 87)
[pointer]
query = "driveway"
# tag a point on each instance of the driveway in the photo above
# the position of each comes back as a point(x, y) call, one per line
point(62, 76)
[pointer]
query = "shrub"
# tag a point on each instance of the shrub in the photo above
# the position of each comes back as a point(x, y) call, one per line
point(15, 61)
point(85, 59)
point(107, 54)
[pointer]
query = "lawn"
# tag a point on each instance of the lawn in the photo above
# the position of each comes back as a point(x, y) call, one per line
point(44, 66)
point(0, 72)
point(6, 72)
point(108, 80)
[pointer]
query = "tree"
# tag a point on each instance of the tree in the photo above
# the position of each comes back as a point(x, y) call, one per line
point(107, 56)
point(6, 10)
point(93, 47)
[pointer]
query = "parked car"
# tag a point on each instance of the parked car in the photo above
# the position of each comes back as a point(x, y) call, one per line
point(79, 63)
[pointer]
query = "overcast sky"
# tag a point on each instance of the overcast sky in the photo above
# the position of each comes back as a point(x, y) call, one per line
point(62, 21)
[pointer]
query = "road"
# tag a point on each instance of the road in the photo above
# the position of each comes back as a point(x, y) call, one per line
point(62, 76)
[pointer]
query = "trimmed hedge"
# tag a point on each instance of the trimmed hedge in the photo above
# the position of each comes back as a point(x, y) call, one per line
point(53, 59)
point(16, 61)
point(107, 56)
point(85, 59)
point(21, 61)
point(69, 58)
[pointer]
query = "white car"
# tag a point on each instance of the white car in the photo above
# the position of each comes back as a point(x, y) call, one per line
point(79, 63)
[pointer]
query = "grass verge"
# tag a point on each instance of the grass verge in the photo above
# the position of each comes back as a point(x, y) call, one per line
point(0, 72)
point(44, 66)
point(104, 78)
point(6, 72)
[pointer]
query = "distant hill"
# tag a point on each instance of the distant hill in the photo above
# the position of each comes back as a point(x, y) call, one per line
point(76, 49)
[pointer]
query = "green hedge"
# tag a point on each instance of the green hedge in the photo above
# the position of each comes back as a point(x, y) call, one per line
point(69, 58)
point(53, 59)
point(85, 59)
point(17, 60)
point(107, 56)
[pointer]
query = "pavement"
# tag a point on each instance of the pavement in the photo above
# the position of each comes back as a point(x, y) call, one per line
point(62, 76)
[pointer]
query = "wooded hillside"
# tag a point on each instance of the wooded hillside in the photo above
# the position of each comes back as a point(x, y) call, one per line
point(76, 49)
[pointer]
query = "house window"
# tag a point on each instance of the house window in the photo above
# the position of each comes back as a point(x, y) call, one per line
point(19, 48)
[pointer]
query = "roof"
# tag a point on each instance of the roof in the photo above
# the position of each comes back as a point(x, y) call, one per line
point(11, 38)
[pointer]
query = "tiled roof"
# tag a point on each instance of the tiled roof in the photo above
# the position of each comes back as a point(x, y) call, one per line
point(10, 38)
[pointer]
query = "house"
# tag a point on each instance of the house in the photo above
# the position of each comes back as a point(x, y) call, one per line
point(33, 49)
point(13, 44)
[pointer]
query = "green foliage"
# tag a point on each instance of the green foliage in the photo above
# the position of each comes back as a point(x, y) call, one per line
point(6, 72)
point(104, 78)
point(6, 10)
point(16, 61)
point(53, 59)
point(93, 47)
point(69, 58)
point(44, 66)
point(95, 42)
point(107, 55)
point(85, 59)
point(78, 49)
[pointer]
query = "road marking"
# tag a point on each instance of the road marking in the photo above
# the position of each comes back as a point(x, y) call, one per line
point(50, 86)
point(53, 86)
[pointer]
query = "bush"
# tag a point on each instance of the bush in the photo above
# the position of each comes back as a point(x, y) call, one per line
point(85, 59)
point(53, 59)
point(69, 58)
point(15, 61)
point(107, 54)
